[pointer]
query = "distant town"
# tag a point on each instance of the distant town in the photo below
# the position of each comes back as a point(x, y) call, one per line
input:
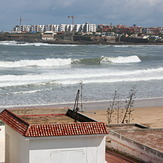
point(84, 33)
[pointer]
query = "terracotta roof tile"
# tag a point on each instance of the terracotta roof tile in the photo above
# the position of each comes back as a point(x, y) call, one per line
point(14, 122)
point(84, 128)
point(55, 129)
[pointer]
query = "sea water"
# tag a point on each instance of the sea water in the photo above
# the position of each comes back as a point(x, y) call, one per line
point(37, 73)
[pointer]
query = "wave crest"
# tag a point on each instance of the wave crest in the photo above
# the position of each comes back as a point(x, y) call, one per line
point(40, 63)
point(120, 59)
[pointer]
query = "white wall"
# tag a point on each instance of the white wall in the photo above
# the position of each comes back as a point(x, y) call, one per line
point(16, 147)
point(2, 143)
point(61, 149)
point(74, 149)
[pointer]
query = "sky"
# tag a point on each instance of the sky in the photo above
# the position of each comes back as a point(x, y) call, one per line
point(143, 13)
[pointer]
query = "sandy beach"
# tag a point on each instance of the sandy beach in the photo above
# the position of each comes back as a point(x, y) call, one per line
point(146, 111)
point(149, 116)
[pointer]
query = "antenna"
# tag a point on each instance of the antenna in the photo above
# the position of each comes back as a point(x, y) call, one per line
point(76, 108)
point(81, 95)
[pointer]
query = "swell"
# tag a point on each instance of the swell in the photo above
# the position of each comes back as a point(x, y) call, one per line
point(52, 62)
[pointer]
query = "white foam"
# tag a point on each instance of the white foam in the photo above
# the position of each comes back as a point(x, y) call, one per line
point(121, 46)
point(120, 59)
point(41, 63)
point(15, 43)
point(8, 43)
point(72, 82)
point(73, 77)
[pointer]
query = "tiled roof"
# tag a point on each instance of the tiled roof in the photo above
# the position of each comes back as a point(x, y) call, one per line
point(45, 130)
point(14, 122)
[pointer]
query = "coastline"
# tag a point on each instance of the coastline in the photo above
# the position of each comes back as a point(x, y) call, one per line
point(70, 42)
point(97, 105)
point(64, 42)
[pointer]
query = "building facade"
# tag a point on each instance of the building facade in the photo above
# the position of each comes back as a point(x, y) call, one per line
point(87, 27)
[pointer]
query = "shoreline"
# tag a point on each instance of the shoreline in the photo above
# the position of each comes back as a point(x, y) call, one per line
point(97, 105)
point(99, 43)
point(69, 42)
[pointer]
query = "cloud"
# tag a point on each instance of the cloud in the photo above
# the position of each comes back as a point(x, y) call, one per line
point(141, 12)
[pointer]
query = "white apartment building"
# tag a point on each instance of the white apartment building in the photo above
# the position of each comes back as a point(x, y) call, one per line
point(52, 27)
point(56, 28)
point(20, 28)
point(89, 27)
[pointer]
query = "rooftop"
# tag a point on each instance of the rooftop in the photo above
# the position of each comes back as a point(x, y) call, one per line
point(149, 137)
point(142, 134)
point(43, 115)
point(43, 122)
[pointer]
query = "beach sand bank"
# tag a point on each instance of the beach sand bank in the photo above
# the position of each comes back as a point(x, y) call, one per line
point(149, 116)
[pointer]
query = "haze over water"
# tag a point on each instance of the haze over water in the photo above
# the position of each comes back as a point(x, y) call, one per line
point(36, 73)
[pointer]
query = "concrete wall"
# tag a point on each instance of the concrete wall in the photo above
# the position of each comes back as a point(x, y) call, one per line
point(70, 149)
point(133, 148)
point(16, 147)
point(61, 149)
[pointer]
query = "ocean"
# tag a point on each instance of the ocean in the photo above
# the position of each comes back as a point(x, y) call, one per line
point(45, 74)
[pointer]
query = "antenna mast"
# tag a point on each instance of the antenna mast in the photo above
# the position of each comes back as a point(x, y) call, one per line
point(76, 107)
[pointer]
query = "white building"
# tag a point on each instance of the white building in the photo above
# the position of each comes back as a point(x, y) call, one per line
point(89, 27)
point(47, 135)
point(56, 28)
point(22, 28)
point(62, 28)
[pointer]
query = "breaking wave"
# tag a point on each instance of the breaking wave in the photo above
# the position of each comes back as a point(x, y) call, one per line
point(40, 63)
point(52, 62)
point(120, 59)
point(15, 43)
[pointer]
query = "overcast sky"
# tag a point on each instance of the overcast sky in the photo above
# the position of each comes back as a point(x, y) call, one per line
point(128, 12)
